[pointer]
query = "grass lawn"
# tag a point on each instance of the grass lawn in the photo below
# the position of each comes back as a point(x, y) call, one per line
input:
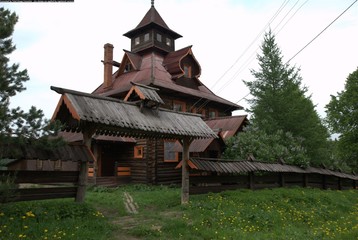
point(297, 213)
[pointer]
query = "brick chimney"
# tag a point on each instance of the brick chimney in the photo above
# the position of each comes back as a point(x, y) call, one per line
point(108, 65)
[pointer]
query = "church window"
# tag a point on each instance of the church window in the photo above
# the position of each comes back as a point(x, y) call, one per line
point(146, 37)
point(213, 113)
point(187, 71)
point(159, 37)
point(136, 41)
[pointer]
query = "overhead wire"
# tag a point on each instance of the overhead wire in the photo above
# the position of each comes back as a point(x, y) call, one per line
point(322, 31)
point(285, 2)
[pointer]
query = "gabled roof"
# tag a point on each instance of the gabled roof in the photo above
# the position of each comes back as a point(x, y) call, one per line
point(144, 93)
point(227, 126)
point(109, 116)
point(152, 72)
point(172, 62)
point(152, 18)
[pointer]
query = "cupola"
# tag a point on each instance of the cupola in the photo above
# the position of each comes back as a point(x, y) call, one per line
point(152, 34)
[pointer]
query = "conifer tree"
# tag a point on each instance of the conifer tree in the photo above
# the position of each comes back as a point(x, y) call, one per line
point(16, 126)
point(280, 103)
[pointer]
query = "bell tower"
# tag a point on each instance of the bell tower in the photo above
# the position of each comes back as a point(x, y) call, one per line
point(152, 34)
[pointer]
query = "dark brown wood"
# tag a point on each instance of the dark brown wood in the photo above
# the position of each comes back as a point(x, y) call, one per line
point(185, 172)
point(42, 177)
point(28, 194)
point(251, 182)
point(82, 180)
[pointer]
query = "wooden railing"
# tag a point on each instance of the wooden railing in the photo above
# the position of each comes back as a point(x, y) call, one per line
point(39, 185)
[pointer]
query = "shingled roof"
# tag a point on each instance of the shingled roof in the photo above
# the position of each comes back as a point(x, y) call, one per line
point(151, 71)
point(152, 17)
point(114, 117)
point(237, 167)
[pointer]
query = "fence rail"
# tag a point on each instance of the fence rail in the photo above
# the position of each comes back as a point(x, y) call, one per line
point(39, 185)
point(218, 183)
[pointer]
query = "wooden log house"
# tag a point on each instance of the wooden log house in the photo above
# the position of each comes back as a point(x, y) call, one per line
point(154, 62)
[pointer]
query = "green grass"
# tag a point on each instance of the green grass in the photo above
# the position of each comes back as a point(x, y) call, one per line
point(52, 219)
point(297, 213)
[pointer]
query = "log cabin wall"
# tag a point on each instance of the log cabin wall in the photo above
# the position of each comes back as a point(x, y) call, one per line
point(139, 165)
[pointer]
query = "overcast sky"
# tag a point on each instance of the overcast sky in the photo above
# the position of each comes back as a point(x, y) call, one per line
point(61, 44)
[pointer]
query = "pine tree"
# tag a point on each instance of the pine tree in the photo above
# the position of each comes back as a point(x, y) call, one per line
point(16, 126)
point(280, 103)
point(11, 78)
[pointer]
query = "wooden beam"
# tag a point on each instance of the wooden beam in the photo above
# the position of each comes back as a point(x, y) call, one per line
point(82, 180)
point(185, 171)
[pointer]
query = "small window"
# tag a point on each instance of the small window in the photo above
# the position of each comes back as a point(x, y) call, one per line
point(213, 113)
point(138, 152)
point(169, 154)
point(179, 106)
point(168, 41)
point(159, 37)
point(136, 41)
point(146, 37)
point(187, 71)
point(128, 67)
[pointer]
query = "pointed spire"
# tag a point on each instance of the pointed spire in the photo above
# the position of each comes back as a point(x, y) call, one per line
point(152, 3)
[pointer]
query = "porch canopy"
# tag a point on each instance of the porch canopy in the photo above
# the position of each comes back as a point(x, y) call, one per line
point(93, 114)
point(80, 111)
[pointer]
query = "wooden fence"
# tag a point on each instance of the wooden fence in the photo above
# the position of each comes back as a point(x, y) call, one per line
point(215, 175)
point(38, 185)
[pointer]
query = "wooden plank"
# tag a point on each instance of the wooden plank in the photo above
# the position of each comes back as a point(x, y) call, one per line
point(29, 194)
point(43, 177)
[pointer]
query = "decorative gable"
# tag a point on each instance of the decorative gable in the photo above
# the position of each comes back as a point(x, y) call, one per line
point(182, 63)
point(130, 62)
point(147, 96)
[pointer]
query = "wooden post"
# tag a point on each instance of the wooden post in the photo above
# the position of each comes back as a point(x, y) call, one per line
point(185, 172)
point(282, 179)
point(251, 180)
point(305, 180)
point(82, 180)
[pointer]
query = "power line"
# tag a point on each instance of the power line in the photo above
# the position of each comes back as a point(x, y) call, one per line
point(258, 35)
point(322, 31)
point(285, 2)
point(292, 16)
point(314, 37)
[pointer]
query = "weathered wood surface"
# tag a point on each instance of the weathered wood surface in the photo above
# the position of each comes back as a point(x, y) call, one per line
point(42, 177)
point(214, 183)
point(46, 184)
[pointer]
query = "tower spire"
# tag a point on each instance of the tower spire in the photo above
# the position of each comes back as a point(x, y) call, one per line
point(152, 2)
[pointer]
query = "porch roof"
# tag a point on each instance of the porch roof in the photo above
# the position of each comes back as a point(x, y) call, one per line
point(109, 116)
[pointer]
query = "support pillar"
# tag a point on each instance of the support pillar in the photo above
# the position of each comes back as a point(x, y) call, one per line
point(82, 179)
point(185, 171)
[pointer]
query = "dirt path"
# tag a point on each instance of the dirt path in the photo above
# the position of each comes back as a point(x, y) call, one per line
point(130, 205)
